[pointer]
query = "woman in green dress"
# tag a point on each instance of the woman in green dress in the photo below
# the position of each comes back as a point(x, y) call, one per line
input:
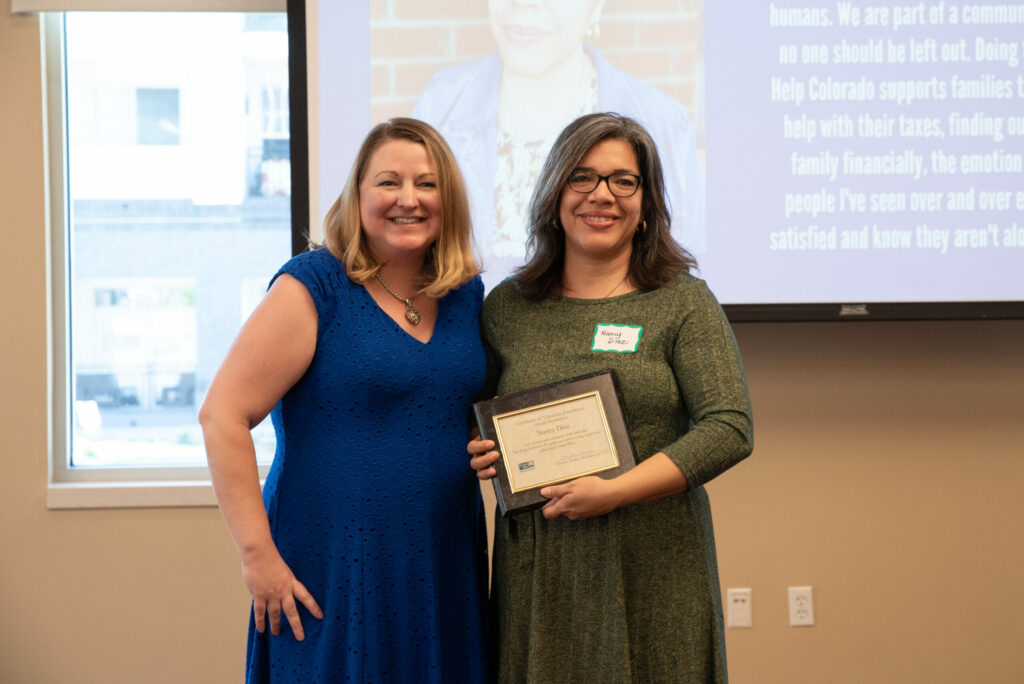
point(615, 580)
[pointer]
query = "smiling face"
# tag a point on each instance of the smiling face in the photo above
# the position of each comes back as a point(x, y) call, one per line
point(399, 201)
point(534, 37)
point(598, 224)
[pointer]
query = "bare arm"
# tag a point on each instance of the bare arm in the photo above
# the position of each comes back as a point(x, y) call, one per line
point(270, 354)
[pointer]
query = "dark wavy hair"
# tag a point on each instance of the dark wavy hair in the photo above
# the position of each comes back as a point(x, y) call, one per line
point(656, 257)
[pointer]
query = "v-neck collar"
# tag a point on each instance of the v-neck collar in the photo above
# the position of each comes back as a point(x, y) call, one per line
point(397, 325)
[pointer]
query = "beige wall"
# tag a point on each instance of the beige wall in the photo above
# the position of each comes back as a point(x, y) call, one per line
point(885, 474)
point(887, 470)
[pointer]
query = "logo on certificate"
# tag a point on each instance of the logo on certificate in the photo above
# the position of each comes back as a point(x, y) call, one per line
point(527, 465)
point(612, 337)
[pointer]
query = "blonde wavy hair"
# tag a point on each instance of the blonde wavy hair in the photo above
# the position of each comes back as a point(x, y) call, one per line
point(449, 262)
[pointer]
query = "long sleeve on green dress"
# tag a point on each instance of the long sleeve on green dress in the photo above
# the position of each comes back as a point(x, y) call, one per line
point(708, 369)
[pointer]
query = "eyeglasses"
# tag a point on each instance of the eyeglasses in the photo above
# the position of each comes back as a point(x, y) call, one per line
point(620, 183)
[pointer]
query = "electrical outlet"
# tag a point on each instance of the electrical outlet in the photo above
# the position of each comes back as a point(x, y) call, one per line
point(738, 609)
point(801, 607)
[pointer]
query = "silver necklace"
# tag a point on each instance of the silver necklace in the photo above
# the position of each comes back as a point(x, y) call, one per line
point(411, 314)
point(616, 286)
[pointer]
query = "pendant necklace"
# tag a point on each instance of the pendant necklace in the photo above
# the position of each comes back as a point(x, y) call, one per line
point(411, 314)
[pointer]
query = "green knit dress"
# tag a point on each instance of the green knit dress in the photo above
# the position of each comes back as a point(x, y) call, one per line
point(631, 596)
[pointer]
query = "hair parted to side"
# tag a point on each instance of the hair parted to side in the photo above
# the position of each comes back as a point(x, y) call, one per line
point(449, 262)
point(656, 257)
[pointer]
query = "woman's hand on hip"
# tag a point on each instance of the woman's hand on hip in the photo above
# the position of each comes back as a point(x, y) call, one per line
point(582, 498)
point(483, 458)
point(274, 591)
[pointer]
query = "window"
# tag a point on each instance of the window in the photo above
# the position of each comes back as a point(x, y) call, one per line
point(157, 116)
point(171, 171)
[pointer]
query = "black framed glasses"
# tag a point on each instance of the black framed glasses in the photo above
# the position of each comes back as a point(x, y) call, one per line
point(620, 183)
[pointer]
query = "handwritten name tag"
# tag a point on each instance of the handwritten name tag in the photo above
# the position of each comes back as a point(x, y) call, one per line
point(610, 337)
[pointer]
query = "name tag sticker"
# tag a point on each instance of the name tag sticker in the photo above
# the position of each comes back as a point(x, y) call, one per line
point(611, 337)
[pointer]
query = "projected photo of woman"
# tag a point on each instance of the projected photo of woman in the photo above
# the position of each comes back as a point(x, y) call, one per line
point(501, 114)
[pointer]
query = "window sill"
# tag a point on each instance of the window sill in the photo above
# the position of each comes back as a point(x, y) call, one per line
point(169, 494)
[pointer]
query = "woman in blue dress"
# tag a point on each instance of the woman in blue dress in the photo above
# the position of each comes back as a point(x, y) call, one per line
point(366, 553)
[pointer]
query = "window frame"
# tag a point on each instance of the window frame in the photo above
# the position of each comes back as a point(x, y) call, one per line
point(109, 487)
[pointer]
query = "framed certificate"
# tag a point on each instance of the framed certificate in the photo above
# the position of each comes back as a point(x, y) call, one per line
point(555, 433)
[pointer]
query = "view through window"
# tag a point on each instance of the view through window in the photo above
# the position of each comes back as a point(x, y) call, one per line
point(179, 213)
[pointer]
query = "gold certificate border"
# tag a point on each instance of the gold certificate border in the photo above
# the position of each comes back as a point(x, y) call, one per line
point(604, 422)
